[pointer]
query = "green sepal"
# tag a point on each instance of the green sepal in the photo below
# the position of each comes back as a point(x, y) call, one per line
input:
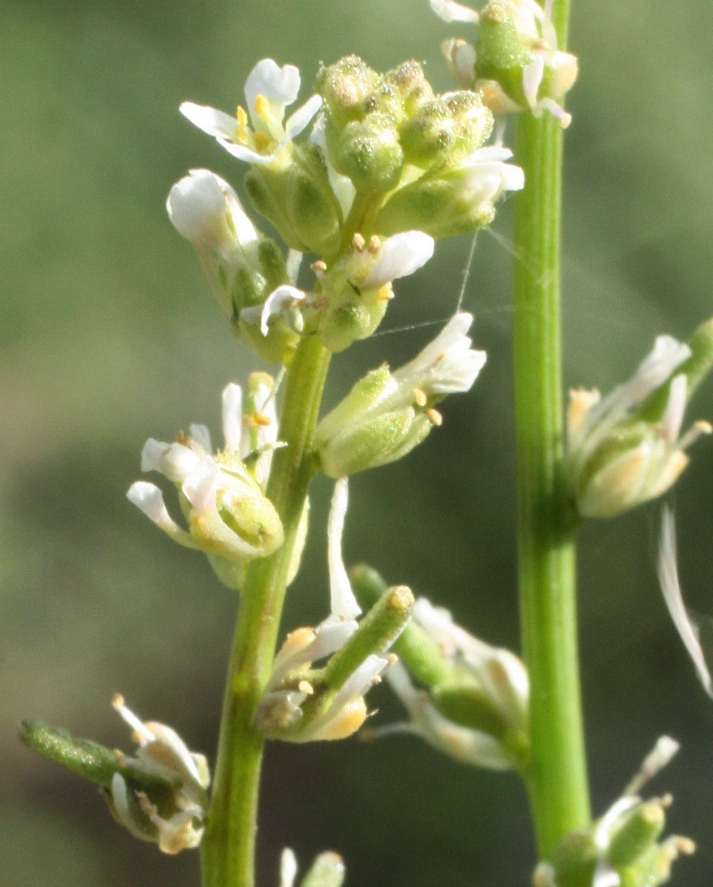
point(464, 703)
point(637, 832)
point(574, 860)
point(419, 653)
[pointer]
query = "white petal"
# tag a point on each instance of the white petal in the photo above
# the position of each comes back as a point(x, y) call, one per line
point(672, 418)
point(211, 120)
point(152, 453)
point(656, 367)
point(201, 436)
point(343, 602)
point(602, 833)
point(201, 485)
point(605, 875)
point(232, 416)
point(174, 460)
point(294, 263)
point(283, 297)
point(658, 758)
point(513, 177)
point(532, 77)
point(247, 155)
point(668, 579)
point(278, 85)
point(196, 203)
point(288, 868)
point(453, 12)
point(137, 725)
point(302, 117)
point(439, 625)
point(359, 682)
point(149, 499)
point(400, 256)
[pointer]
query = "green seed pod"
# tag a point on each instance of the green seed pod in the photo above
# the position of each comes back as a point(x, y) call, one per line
point(574, 860)
point(312, 207)
point(637, 832)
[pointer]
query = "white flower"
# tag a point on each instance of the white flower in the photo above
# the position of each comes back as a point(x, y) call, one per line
point(398, 256)
point(387, 414)
point(534, 26)
point(687, 623)
point(279, 714)
point(616, 462)
point(465, 745)
point(268, 91)
point(162, 757)
point(228, 515)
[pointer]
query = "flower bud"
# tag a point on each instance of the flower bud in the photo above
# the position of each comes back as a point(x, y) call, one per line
point(345, 87)
point(451, 201)
point(387, 414)
point(326, 871)
point(297, 197)
point(622, 847)
point(228, 515)
point(368, 152)
point(627, 448)
point(412, 86)
point(451, 125)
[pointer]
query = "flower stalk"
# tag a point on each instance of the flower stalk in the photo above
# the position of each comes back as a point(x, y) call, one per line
point(228, 847)
point(557, 779)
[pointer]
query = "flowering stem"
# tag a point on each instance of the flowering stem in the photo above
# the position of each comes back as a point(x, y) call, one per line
point(557, 777)
point(228, 847)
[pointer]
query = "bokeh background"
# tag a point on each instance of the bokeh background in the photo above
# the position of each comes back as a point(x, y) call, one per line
point(108, 335)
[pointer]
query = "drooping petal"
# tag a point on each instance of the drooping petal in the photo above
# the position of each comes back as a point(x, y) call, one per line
point(233, 416)
point(450, 11)
point(343, 602)
point(277, 302)
point(201, 485)
point(149, 499)
point(532, 75)
point(201, 436)
point(400, 256)
point(682, 618)
point(212, 121)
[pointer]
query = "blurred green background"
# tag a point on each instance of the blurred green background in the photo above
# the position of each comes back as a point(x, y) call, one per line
point(109, 335)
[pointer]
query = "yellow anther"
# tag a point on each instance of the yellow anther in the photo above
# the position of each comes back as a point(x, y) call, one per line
point(434, 416)
point(260, 419)
point(419, 395)
point(386, 293)
point(358, 242)
point(374, 243)
point(305, 687)
point(392, 658)
point(262, 107)
point(319, 267)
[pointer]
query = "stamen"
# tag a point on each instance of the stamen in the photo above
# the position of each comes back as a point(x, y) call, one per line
point(434, 416)
point(694, 432)
point(358, 242)
point(319, 267)
point(375, 243)
point(262, 107)
point(386, 293)
point(241, 131)
point(260, 419)
point(419, 395)
point(142, 733)
point(305, 687)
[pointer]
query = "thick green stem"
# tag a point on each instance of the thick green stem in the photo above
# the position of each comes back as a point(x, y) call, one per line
point(228, 847)
point(557, 777)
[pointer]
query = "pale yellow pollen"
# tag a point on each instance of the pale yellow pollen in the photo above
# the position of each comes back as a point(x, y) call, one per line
point(260, 419)
point(358, 242)
point(376, 679)
point(241, 131)
point(386, 293)
point(305, 687)
point(419, 395)
point(392, 658)
point(319, 267)
point(434, 416)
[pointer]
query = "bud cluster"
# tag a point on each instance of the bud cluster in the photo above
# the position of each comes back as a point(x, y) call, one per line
point(515, 64)
point(621, 849)
point(389, 167)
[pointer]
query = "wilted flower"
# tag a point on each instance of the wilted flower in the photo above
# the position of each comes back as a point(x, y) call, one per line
point(269, 89)
point(228, 515)
point(387, 414)
point(617, 458)
point(305, 704)
point(164, 799)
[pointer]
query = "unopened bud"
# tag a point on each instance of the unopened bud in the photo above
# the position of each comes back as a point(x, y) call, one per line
point(369, 153)
point(345, 87)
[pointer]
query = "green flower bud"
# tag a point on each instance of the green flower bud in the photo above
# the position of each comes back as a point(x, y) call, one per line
point(344, 88)
point(297, 198)
point(449, 127)
point(411, 83)
point(368, 152)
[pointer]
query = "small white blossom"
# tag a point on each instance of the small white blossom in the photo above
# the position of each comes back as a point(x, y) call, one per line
point(387, 414)
point(643, 459)
point(227, 513)
point(161, 757)
point(258, 135)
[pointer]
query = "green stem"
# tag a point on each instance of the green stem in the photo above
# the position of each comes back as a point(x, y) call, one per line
point(228, 846)
point(557, 776)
